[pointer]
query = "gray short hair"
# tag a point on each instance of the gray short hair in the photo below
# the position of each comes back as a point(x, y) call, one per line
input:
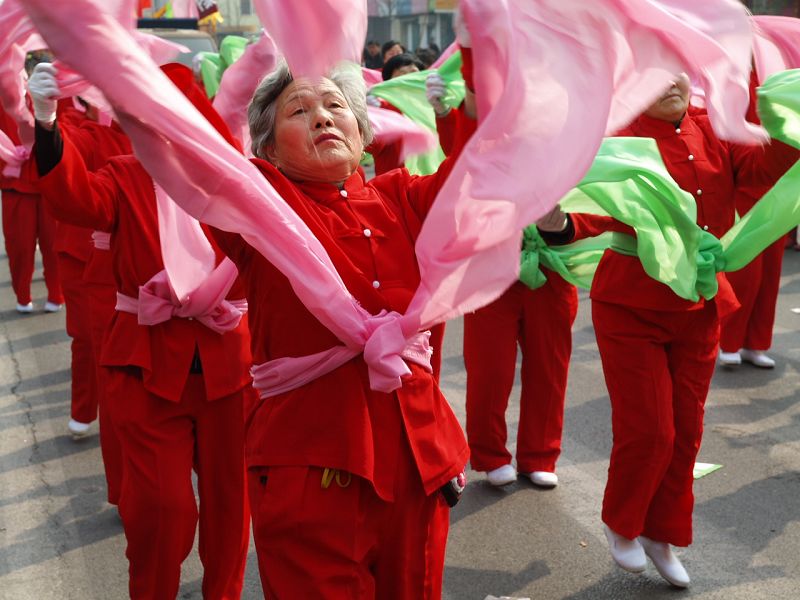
point(261, 111)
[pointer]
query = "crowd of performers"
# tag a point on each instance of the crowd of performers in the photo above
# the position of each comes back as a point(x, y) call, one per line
point(349, 488)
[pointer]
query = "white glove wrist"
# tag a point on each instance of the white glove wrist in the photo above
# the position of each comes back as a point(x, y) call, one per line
point(44, 91)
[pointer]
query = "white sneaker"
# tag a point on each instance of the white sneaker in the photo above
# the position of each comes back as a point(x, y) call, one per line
point(628, 554)
point(665, 561)
point(730, 359)
point(757, 358)
point(25, 308)
point(52, 307)
point(544, 479)
point(77, 429)
point(502, 475)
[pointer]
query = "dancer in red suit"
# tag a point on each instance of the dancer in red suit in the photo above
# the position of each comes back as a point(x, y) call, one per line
point(658, 350)
point(178, 386)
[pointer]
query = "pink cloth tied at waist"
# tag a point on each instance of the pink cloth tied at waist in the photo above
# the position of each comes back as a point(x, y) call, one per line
point(285, 374)
point(156, 304)
point(13, 156)
point(101, 240)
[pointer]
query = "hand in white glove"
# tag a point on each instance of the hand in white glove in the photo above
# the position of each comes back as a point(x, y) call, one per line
point(555, 221)
point(460, 28)
point(435, 91)
point(373, 101)
point(44, 91)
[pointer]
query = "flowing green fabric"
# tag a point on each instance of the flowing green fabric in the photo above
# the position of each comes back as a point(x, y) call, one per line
point(213, 64)
point(407, 93)
point(628, 181)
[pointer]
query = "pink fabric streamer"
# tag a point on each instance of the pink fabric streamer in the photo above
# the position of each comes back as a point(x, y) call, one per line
point(446, 53)
point(239, 82)
point(371, 76)
point(390, 126)
point(18, 33)
point(777, 45)
point(337, 28)
point(184, 9)
point(101, 240)
point(12, 156)
point(546, 71)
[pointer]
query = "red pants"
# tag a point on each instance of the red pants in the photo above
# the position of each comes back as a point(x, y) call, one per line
point(541, 322)
point(102, 299)
point(24, 223)
point(161, 442)
point(84, 369)
point(343, 541)
point(658, 367)
point(756, 287)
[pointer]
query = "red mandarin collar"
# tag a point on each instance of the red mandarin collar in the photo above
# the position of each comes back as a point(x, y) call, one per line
point(328, 193)
point(646, 126)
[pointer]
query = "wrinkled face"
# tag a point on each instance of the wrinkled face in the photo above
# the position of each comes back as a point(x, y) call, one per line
point(393, 51)
point(316, 134)
point(672, 104)
point(403, 70)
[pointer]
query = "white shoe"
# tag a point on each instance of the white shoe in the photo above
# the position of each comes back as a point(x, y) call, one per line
point(665, 561)
point(25, 308)
point(730, 359)
point(502, 475)
point(77, 429)
point(757, 358)
point(544, 479)
point(628, 554)
point(52, 307)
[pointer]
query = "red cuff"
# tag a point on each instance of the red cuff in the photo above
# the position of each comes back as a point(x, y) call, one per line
point(467, 68)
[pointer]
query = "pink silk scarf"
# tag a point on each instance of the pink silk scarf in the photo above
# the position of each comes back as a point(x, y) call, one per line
point(777, 45)
point(548, 74)
point(389, 126)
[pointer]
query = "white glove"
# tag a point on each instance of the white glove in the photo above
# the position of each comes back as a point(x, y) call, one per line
point(460, 28)
point(373, 101)
point(555, 221)
point(435, 90)
point(43, 88)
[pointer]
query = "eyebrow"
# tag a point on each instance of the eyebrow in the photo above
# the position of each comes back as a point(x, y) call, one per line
point(299, 94)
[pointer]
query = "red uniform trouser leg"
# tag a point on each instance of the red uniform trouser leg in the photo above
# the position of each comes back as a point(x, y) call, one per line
point(343, 541)
point(20, 218)
point(541, 320)
point(102, 299)
point(161, 442)
point(756, 287)
point(84, 370)
point(437, 341)
point(490, 359)
point(47, 236)
point(546, 344)
point(658, 367)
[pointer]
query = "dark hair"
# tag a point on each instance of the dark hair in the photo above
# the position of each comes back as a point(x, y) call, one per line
point(389, 45)
point(398, 61)
point(426, 56)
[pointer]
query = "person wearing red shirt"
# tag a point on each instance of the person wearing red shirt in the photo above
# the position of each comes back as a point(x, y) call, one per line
point(344, 481)
point(26, 225)
point(178, 387)
point(658, 350)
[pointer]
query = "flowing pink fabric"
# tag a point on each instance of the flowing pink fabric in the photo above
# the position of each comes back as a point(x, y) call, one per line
point(547, 72)
point(777, 45)
point(153, 306)
point(12, 156)
point(239, 82)
point(184, 9)
point(446, 53)
point(101, 240)
point(17, 32)
point(389, 126)
point(285, 374)
point(314, 36)
point(371, 76)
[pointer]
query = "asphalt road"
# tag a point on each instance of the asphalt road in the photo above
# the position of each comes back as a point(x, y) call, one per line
point(60, 540)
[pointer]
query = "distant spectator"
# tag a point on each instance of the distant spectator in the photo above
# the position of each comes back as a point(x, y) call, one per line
point(390, 49)
point(400, 65)
point(426, 56)
point(435, 47)
point(372, 58)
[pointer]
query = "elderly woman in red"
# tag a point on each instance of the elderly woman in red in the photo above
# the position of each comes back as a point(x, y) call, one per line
point(349, 487)
point(658, 350)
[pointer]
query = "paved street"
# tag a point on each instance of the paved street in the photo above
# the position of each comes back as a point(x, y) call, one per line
point(60, 540)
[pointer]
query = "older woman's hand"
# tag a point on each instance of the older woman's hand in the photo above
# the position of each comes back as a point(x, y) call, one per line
point(555, 221)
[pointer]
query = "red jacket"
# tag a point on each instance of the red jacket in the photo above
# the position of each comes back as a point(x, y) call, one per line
point(337, 420)
point(711, 170)
point(120, 198)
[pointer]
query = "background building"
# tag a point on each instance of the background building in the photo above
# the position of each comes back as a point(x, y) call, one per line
point(788, 8)
point(413, 23)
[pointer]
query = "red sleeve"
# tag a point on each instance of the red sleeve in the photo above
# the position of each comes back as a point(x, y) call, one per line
point(448, 127)
point(757, 168)
point(587, 226)
point(76, 196)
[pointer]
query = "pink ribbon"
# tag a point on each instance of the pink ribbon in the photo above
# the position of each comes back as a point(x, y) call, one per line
point(12, 155)
point(389, 126)
point(155, 305)
point(777, 45)
point(285, 374)
point(101, 240)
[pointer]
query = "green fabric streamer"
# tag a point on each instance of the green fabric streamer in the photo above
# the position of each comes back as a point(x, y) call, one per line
point(628, 181)
point(213, 64)
point(407, 93)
